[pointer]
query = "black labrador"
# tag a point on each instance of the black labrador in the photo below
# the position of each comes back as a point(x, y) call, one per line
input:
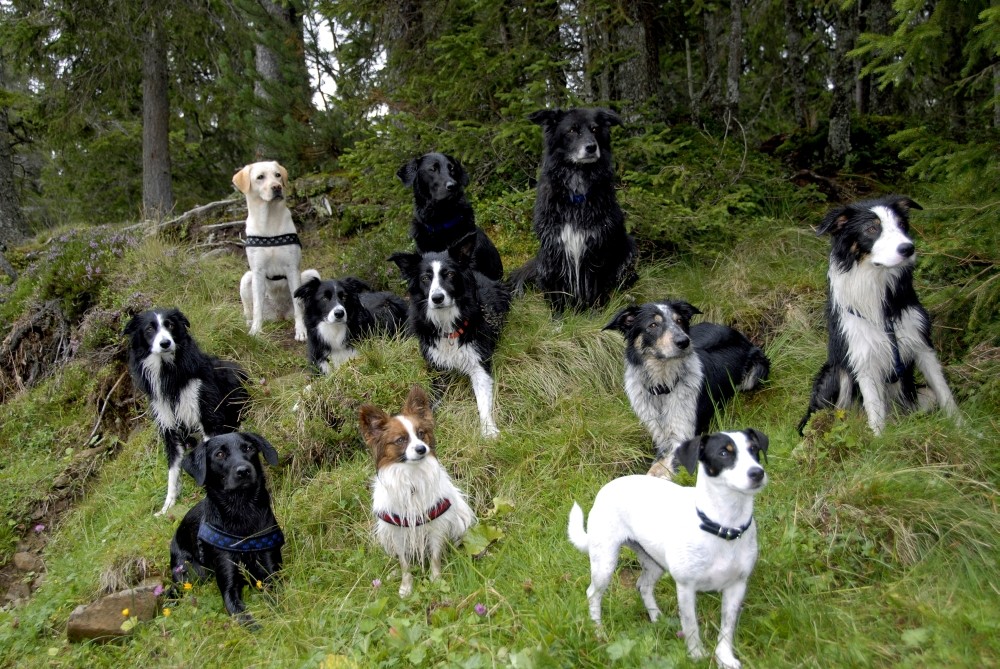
point(233, 531)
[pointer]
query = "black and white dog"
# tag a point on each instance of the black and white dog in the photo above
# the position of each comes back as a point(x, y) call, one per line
point(441, 213)
point(457, 314)
point(585, 252)
point(703, 536)
point(193, 396)
point(877, 328)
point(341, 312)
point(232, 532)
point(676, 373)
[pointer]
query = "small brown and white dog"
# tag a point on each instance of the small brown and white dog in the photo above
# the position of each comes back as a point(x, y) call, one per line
point(417, 507)
point(274, 251)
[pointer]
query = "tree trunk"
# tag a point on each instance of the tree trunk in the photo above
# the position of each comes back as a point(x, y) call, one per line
point(637, 72)
point(12, 226)
point(796, 64)
point(709, 98)
point(157, 193)
point(839, 135)
point(735, 66)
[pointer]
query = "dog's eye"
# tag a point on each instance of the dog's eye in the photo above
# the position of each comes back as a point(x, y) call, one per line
point(593, 128)
point(400, 441)
point(434, 167)
point(872, 229)
point(449, 275)
point(259, 177)
point(653, 326)
point(246, 448)
point(327, 295)
point(219, 455)
point(573, 130)
point(420, 434)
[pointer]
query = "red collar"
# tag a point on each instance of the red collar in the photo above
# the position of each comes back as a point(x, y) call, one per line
point(458, 332)
point(434, 512)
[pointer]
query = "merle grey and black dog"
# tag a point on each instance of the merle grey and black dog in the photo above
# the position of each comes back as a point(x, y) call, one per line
point(233, 532)
point(585, 252)
point(441, 213)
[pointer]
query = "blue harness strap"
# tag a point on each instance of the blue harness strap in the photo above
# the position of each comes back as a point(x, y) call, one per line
point(213, 536)
point(280, 240)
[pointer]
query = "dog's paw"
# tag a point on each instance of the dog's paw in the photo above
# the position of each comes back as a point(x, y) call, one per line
point(661, 469)
point(490, 431)
point(697, 652)
point(406, 587)
point(255, 329)
point(727, 660)
point(300, 333)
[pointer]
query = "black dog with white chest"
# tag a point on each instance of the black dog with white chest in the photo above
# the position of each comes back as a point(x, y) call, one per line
point(192, 395)
point(676, 373)
point(341, 312)
point(441, 213)
point(878, 330)
point(585, 252)
point(457, 315)
point(233, 532)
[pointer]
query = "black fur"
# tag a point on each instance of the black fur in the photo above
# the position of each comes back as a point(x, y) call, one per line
point(854, 229)
point(222, 399)
point(441, 213)
point(353, 303)
point(236, 502)
point(578, 196)
point(482, 303)
point(715, 451)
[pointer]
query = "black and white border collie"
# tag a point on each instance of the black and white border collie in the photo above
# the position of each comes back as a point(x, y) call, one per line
point(457, 315)
point(585, 252)
point(341, 312)
point(877, 328)
point(677, 373)
point(193, 396)
point(441, 213)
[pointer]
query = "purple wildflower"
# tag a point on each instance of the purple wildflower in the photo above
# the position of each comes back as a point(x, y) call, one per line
point(480, 609)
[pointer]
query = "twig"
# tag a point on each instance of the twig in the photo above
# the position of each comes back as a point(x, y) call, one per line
point(107, 398)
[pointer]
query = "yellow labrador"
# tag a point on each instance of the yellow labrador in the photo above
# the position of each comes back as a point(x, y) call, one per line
point(273, 249)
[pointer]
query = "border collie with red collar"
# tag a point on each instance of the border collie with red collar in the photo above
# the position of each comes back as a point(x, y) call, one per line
point(878, 330)
point(457, 314)
point(193, 396)
point(441, 213)
point(585, 252)
point(416, 506)
point(341, 312)
point(676, 373)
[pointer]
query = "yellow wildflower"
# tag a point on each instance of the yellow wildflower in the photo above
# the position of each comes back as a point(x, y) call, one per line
point(166, 611)
point(187, 585)
point(259, 585)
point(125, 612)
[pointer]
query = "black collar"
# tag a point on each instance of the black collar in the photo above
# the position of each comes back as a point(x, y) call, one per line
point(267, 539)
point(279, 240)
point(898, 368)
point(727, 533)
point(661, 389)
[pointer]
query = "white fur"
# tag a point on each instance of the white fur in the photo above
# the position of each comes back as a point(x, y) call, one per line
point(335, 335)
point(268, 216)
point(885, 251)
point(671, 417)
point(574, 243)
point(658, 520)
point(408, 489)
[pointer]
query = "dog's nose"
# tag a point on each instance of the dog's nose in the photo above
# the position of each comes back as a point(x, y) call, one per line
point(682, 342)
point(905, 249)
point(437, 298)
point(242, 472)
point(756, 474)
point(451, 186)
point(165, 343)
point(591, 148)
point(420, 449)
point(339, 313)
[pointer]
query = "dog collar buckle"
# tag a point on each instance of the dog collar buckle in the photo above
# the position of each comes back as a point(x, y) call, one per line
point(434, 512)
point(715, 529)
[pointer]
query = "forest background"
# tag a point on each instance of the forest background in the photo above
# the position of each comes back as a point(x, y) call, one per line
point(744, 121)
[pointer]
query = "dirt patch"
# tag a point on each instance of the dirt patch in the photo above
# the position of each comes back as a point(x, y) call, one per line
point(38, 343)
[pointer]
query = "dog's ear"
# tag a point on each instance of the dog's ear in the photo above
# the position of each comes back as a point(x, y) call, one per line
point(177, 315)
point(285, 186)
point(685, 309)
point(194, 463)
point(132, 326)
point(547, 118)
point(623, 320)
point(462, 250)
point(372, 421)
point(408, 263)
point(408, 172)
point(759, 439)
point(834, 219)
point(307, 289)
point(264, 447)
point(355, 285)
point(242, 180)
point(418, 404)
point(905, 204)
point(460, 174)
point(608, 117)
point(689, 452)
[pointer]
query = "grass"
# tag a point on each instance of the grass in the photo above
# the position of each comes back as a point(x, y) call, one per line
point(875, 551)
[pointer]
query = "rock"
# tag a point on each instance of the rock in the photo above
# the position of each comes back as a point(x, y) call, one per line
point(26, 561)
point(18, 591)
point(102, 620)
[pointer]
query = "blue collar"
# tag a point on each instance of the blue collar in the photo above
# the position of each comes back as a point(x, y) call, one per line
point(577, 198)
point(727, 533)
point(446, 225)
point(262, 541)
point(898, 368)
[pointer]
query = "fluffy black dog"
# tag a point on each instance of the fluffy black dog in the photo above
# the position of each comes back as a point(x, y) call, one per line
point(441, 214)
point(585, 252)
point(192, 395)
point(341, 312)
point(233, 531)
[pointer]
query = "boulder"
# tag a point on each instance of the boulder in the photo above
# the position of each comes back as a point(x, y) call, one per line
point(102, 620)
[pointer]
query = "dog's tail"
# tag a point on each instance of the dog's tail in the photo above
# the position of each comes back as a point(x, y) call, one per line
point(758, 368)
point(577, 535)
point(523, 276)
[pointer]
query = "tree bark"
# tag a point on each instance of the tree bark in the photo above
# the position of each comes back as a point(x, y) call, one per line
point(12, 227)
point(157, 192)
point(839, 135)
point(796, 66)
point(735, 65)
